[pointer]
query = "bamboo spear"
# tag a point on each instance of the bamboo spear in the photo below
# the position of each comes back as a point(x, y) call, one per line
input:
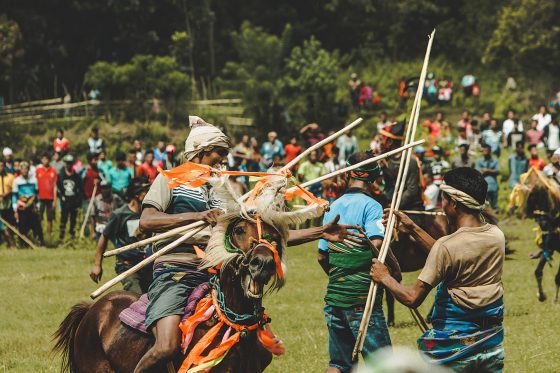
point(19, 234)
point(395, 202)
point(145, 262)
point(157, 237)
point(88, 211)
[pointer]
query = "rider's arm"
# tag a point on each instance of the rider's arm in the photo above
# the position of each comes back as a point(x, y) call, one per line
point(153, 220)
point(407, 226)
point(301, 236)
point(97, 270)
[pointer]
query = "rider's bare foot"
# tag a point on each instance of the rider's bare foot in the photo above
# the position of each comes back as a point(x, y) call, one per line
point(541, 296)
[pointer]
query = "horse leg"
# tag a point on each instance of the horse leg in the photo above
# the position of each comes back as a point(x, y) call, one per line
point(390, 308)
point(166, 346)
point(557, 281)
point(539, 275)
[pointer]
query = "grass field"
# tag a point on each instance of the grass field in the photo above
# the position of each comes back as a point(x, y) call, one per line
point(38, 287)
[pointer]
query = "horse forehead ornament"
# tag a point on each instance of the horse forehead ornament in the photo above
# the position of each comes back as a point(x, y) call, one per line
point(268, 206)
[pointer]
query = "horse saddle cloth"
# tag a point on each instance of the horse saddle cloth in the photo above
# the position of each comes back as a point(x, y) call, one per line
point(135, 315)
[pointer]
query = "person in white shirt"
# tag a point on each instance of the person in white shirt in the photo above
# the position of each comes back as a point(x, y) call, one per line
point(552, 135)
point(509, 125)
point(348, 145)
point(543, 117)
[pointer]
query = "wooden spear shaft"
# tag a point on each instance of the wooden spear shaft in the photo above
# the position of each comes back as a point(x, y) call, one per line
point(157, 237)
point(88, 211)
point(20, 235)
point(321, 143)
point(145, 262)
point(399, 188)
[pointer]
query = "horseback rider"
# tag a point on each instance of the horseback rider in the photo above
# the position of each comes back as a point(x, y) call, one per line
point(176, 274)
point(122, 230)
point(466, 266)
point(411, 199)
point(347, 266)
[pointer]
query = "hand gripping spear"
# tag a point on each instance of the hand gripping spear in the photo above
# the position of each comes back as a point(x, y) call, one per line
point(395, 202)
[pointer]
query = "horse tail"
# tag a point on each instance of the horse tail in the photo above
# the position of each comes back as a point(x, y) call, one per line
point(66, 334)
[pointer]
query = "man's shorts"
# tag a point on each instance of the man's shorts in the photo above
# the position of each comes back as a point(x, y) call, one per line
point(46, 205)
point(168, 294)
point(343, 325)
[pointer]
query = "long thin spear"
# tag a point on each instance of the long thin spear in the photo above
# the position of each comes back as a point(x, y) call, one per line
point(395, 202)
point(145, 262)
point(88, 211)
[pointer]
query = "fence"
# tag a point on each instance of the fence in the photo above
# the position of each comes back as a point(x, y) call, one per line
point(39, 111)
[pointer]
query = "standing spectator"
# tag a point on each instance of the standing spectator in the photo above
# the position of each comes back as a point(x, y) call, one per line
point(104, 164)
point(465, 123)
point(420, 154)
point(61, 144)
point(438, 166)
point(137, 145)
point(518, 164)
point(312, 133)
point(445, 92)
point(147, 168)
point(243, 149)
point(463, 159)
point(91, 177)
point(534, 159)
point(515, 136)
point(510, 124)
point(130, 162)
point(24, 201)
point(6, 211)
point(312, 169)
point(485, 121)
point(120, 176)
point(431, 89)
point(383, 121)
point(103, 206)
point(348, 145)
point(271, 148)
point(354, 89)
point(8, 160)
point(171, 160)
point(551, 135)
point(70, 192)
point(366, 93)
point(468, 82)
point(431, 194)
point(159, 153)
point(534, 135)
point(493, 137)
point(375, 144)
point(553, 168)
point(47, 179)
point(438, 128)
point(57, 163)
point(96, 144)
point(542, 117)
point(291, 150)
point(333, 186)
point(489, 167)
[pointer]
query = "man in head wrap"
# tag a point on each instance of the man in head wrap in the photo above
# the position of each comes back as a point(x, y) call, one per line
point(466, 266)
point(411, 198)
point(175, 274)
point(347, 265)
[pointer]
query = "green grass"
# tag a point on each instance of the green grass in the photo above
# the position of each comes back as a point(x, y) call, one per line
point(38, 287)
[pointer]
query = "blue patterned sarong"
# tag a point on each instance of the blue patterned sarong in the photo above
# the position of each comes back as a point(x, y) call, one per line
point(459, 332)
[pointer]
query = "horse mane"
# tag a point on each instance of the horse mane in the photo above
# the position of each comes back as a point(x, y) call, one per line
point(542, 193)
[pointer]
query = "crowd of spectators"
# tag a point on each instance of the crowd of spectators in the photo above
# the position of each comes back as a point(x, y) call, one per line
point(33, 189)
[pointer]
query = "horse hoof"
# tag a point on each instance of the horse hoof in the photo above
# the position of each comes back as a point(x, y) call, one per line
point(541, 297)
point(390, 324)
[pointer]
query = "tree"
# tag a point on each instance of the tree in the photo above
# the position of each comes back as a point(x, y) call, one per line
point(527, 37)
point(11, 52)
point(310, 82)
point(257, 74)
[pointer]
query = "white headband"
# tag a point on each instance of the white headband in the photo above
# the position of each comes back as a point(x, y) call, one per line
point(462, 197)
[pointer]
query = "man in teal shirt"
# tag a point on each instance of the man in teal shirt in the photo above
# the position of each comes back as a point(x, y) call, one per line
point(120, 176)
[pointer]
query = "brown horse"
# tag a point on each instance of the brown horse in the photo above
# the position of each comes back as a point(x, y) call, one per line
point(92, 338)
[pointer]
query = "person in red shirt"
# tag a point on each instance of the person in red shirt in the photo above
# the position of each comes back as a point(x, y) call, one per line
point(47, 178)
point(147, 168)
point(61, 144)
point(91, 178)
point(534, 160)
point(292, 150)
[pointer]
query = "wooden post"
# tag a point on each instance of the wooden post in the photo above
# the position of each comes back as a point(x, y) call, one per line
point(145, 262)
point(20, 235)
point(157, 237)
point(395, 202)
point(88, 211)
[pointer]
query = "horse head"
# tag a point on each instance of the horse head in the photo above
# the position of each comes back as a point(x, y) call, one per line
point(542, 196)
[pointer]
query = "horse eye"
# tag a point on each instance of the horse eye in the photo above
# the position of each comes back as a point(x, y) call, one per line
point(239, 231)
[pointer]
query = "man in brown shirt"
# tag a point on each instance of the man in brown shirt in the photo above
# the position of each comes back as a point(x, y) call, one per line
point(466, 266)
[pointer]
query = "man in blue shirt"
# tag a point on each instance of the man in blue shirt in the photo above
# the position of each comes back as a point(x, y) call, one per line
point(271, 148)
point(24, 201)
point(489, 167)
point(518, 164)
point(347, 266)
